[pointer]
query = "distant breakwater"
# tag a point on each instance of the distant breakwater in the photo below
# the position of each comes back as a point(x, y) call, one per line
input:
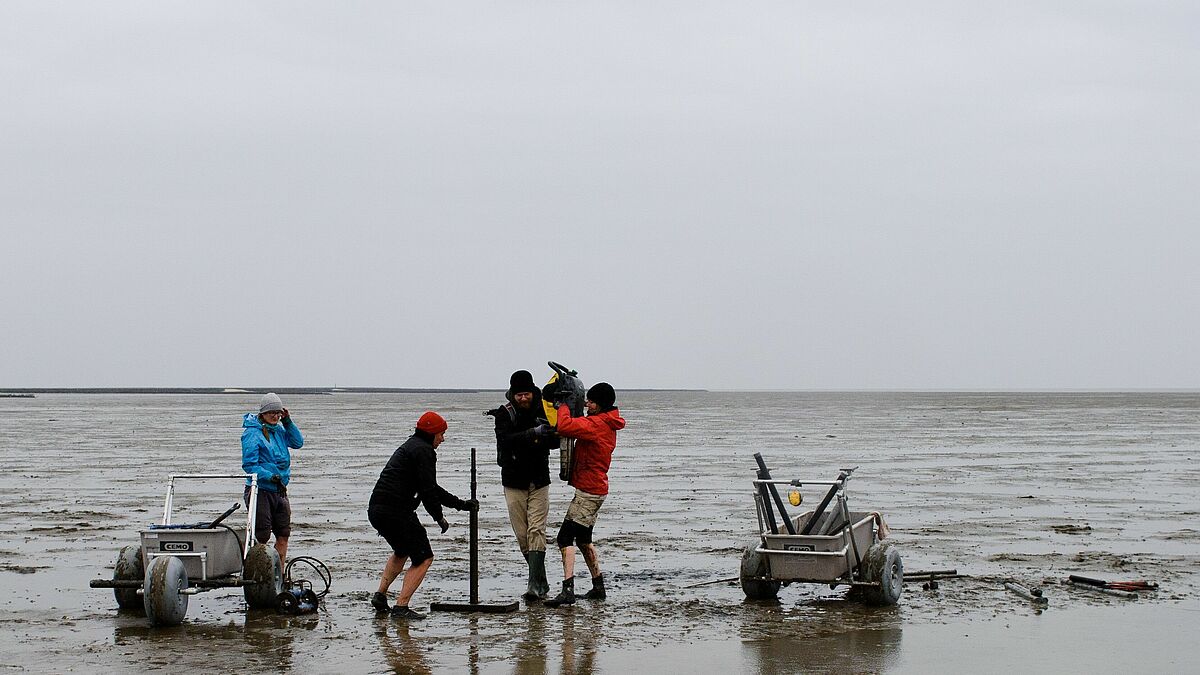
point(31, 392)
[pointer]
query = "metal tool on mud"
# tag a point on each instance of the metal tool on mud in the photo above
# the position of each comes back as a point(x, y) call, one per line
point(1121, 589)
point(298, 596)
point(174, 562)
point(834, 545)
point(474, 605)
point(1132, 585)
point(1033, 595)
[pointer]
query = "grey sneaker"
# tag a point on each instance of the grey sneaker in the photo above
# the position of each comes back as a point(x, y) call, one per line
point(380, 602)
point(402, 612)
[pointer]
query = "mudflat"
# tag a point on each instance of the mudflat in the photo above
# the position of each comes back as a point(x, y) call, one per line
point(1000, 486)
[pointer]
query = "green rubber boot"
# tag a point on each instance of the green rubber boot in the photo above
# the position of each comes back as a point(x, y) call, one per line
point(531, 594)
point(537, 574)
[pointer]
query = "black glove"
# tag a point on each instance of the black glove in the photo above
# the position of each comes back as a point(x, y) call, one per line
point(471, 505)
point(563, 397)
point(443, 524)
point(549, 391)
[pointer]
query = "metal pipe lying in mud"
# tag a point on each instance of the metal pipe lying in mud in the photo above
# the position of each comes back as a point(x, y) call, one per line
point(1129, 595)
point(922, 575)
point(1034, 596)
point(714, 581)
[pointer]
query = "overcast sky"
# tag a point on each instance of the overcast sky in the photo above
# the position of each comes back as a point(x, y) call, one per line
point(759, 195)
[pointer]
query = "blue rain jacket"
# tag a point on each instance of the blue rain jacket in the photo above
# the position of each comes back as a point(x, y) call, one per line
point(269, 458)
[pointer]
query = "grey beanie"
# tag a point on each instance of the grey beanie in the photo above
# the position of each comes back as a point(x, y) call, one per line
point(270, 402)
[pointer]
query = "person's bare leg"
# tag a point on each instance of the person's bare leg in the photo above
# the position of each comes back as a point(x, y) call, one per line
point(568, 556)
point(391, 569)
point(592, 557)
point(281, 547)
point(412, 580)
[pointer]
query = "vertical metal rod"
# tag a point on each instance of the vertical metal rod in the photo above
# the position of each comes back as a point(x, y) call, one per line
point(167, 507)
point(833, 490)
point(251, 515)
point(765, 474)
point(474, 539)
point(850, 529)
point(764, 501)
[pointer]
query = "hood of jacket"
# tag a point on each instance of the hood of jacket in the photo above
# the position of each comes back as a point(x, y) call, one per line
point(611, 417)
point(251, 421)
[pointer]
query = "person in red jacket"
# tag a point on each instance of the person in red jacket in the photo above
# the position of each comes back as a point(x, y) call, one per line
point(596, 437)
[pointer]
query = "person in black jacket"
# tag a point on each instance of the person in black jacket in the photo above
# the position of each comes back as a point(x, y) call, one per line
point(523, 443)
point(410, 478)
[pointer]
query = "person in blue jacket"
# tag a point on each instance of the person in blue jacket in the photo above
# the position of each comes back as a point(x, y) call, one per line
point(267, 441)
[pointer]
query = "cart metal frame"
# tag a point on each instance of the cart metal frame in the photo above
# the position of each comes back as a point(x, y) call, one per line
point(207, 559)
point(841, 547)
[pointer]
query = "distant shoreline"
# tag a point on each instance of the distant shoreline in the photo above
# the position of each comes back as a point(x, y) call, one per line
point(30, 392)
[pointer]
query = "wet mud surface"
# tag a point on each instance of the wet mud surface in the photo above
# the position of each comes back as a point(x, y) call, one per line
point(1028, 487)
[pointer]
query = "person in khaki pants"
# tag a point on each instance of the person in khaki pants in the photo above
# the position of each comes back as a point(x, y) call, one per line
point(523, 443)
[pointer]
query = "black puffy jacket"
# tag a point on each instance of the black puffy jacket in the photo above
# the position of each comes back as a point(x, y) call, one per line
point(523, 456)
point(410, 478)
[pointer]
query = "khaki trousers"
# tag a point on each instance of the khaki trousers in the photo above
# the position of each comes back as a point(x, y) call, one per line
point(528, 511)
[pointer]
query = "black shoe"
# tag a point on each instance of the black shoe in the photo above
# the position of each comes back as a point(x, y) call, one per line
point(597, 592)
point(379, 602)
point(566, 597)
point(401, 612)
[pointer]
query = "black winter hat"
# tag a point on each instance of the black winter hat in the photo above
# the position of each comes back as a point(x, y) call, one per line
point(522, 381)
point(602, 394)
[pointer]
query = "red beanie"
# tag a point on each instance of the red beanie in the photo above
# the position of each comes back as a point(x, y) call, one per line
point(431, 423)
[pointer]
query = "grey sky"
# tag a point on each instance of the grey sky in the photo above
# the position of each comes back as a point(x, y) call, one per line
point(718, 195)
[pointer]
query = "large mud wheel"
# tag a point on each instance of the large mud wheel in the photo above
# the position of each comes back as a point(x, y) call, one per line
point(129, 567)
point(882, 565)
point(163, 597)
point(754, 567)
point(264, 568)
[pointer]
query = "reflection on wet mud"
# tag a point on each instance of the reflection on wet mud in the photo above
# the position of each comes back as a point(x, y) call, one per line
point(267, 640)
point(529, 655)
point(578, 645)
point(851, 651)
point(403, 653)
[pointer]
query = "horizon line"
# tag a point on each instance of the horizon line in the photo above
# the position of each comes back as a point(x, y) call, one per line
point(479, 390)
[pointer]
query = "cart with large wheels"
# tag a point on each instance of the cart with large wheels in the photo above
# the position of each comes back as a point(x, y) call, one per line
point(830, 544)
point(173, 562)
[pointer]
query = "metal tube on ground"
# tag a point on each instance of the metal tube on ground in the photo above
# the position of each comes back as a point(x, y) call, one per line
point(930, 573)
point(1128, 595)
point(1025, 593)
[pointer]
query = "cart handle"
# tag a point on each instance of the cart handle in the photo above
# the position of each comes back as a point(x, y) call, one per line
point(830, 554)
point(251, 509)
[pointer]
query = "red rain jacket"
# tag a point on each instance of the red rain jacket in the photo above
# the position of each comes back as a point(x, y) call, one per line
point(596, 438)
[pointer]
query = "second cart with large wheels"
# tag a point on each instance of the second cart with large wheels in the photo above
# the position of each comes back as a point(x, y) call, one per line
point(830, 544)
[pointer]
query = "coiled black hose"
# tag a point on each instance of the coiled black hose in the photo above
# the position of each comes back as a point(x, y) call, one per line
point(316, 565)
